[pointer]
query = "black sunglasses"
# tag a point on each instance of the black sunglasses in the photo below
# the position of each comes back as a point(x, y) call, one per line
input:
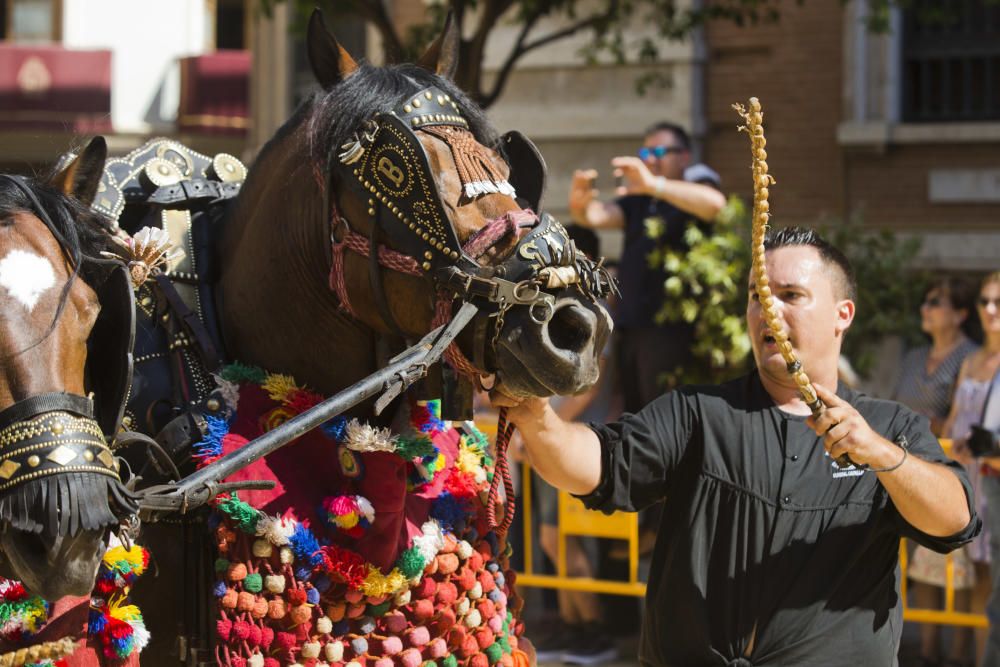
point(647, 152)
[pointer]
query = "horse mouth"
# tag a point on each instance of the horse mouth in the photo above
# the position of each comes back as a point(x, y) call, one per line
point(560, 356)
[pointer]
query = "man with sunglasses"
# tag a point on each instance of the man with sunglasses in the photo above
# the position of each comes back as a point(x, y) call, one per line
point(652, 186)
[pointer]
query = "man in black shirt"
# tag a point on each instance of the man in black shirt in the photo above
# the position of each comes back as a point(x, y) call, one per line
point(768, 553)
point(657, 185)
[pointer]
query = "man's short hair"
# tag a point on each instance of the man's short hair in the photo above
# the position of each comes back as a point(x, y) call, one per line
point(831, 256)
point(679, 132)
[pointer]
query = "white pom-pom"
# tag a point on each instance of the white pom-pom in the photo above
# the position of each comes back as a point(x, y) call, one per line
point(463, 606)
point(310, 650)
point(262, 548)
point(476, 591)
point(366, 438)
point(365, 508)
point(431, 542)
point(275, 583)
point(464, 550)
point(324, 625)
point(286, 556)
point(256, 660)
point(334, 651)
point(473, 619)
point(403, 599)
point(275, 530)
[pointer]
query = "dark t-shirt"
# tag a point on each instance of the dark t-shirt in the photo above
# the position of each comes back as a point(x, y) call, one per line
point(761, 529)
point(642, 285)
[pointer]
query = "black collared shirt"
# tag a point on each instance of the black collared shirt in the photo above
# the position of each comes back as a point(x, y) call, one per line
point(761, 529)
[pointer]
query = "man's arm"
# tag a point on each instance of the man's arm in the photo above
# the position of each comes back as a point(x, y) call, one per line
point(586, 209)
point(929, 496)
point(567, 455)
point(702, 201)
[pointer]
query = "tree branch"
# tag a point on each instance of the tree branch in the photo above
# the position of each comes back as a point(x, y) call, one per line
point(520, 48)
point(375, 12)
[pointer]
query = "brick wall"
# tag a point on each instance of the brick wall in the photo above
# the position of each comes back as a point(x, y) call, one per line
point(794, 68)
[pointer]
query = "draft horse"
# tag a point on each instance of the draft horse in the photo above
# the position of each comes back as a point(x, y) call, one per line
point(383, 204)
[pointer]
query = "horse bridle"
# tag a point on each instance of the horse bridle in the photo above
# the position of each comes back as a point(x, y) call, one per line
point(386, 164)
point(59, 432)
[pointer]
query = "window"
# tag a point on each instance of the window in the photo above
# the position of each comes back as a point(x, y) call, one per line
point(29, 21)
point(951, 61)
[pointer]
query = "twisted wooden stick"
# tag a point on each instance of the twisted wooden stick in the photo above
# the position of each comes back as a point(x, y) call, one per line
point(762, 180)
point(45, 651)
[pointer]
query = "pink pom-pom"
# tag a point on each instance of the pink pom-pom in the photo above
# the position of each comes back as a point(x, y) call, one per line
point(266, 638)
point(271, 662)
point(384, 662)
point(465, 579)
point(424, 590)
point(392, 645)
point(255, 635)
point(223, 627)
point(486, 609)
point(411, 658)
point(468, 647)
point(395, 622)
point(237, 660)
point(437, 648)
point(418, 636)
point(478, 660)
point(241, 630)
point(483, 637)
point(284, 641)
point(495, 624)
point(487, 581)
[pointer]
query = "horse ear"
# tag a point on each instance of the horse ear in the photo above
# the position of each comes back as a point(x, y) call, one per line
point(442, 56)
point(79, 175)
point(329, 61)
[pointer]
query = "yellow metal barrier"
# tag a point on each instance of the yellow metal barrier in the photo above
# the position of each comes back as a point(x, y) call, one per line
point(575, 519)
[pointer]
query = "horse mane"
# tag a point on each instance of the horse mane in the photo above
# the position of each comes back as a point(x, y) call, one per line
point(334, 115)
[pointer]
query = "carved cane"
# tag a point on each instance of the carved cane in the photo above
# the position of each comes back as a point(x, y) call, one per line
point(762, 180)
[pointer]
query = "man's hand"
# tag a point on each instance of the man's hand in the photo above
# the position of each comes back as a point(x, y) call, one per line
point(581, 194)
point(635, 175)
point(845, 431)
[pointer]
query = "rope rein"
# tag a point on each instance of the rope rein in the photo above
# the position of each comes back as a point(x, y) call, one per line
point(54, 650)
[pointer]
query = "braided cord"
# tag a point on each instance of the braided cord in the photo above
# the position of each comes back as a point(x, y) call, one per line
point(754, 119)
point(54, 650)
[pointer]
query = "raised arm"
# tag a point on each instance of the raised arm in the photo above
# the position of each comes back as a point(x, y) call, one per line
point(567, 455)
point(586, 209)
point(702, 201)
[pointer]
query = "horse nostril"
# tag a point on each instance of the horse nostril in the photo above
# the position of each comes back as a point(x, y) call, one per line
point(570, 328)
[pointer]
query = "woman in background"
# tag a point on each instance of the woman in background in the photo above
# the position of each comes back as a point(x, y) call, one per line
point(927, 381)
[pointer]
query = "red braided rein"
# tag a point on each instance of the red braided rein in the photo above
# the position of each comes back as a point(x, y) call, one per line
point(501, 473)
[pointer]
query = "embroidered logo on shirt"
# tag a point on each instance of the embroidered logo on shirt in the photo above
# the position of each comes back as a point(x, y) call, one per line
point(850, 471)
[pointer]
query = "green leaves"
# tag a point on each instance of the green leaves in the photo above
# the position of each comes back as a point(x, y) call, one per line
point(706, 286)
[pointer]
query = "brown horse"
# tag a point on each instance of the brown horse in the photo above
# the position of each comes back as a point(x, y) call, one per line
point(59, 486)
point(300, 295)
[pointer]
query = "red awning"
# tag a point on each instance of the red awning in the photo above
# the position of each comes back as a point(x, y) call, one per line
point(215, 93)
point(51, 87)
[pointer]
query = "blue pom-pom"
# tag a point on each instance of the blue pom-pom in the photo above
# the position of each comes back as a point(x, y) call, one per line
point(500, 579)
point(492, 567)
point(316, 559)
point(303, 573)
point(211, 444)
point(97, 622)
point(322, 583)
point(359, 645)
point(341, 628)
point(366, 624)
point(334, 429)
point(220, 589)
point(494, 595)
point(312, 596)
point(303, 543)
point(451, 512)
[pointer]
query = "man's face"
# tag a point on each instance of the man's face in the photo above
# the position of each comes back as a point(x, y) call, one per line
point(809, 308)
point(673, 161)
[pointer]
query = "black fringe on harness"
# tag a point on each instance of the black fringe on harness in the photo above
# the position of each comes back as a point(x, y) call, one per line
point(67, 503)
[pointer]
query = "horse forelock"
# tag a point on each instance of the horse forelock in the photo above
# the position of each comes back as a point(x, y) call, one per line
point(334, 115)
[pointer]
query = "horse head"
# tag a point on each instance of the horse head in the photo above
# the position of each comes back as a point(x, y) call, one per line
point(59, 485)
point(413, 166)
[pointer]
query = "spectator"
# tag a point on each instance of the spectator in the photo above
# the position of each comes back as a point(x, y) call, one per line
point(983, 369)
point(653, 186)
point(926, 383)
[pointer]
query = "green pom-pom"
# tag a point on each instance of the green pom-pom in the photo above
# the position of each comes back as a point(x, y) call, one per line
point(253, 583)
point(377, 610)
point(411, 563)
point(416, 447)
point(242, 514)
point(243, 373)
point(449, 661)
point(221, 564)
point(493, 653)
point(504, 644)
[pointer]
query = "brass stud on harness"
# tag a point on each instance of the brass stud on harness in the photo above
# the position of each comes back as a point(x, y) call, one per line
point(441, 100)
point(88, 455)
point(371, 211)
point(427, 94)
point(427, 266)
point(57, 428)
point(417, 103)
point(33, 460)
point(415, 121)
point(407, 108)
point(427, 254)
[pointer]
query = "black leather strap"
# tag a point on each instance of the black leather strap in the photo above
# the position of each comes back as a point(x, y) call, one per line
point(42, 403)
point(190, 318)
point(193, 189)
